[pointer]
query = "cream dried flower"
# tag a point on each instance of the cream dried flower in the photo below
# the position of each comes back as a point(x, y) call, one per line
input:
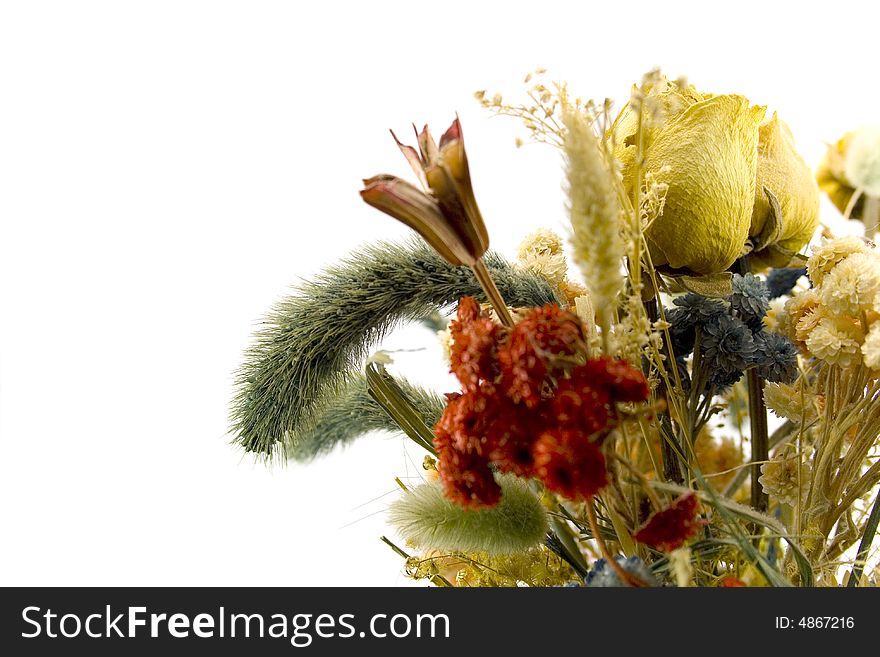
point(826, 256)
point(836, 340)
point(871, 348)
point(786, 478)
point(681, 566)
point(862, 164)
point(775, 319)
point(853, 286)
point(791, 401)
point(802, 313)
point(542, 253)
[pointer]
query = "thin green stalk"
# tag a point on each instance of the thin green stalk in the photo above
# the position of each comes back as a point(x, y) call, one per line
point(437, 579)
point(865, 545)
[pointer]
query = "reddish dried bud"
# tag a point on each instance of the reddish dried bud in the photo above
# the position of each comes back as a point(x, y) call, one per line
point(445, 214)
point(546, 339)
point(569, 463)
point(669, 528)
point(475, 339)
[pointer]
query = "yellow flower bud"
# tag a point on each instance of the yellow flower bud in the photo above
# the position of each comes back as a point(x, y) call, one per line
point(783, 173)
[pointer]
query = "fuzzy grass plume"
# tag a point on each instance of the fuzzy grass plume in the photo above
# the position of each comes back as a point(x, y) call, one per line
point(594, 208)
point(311, 341)
point(429, 520)
point(350, 413)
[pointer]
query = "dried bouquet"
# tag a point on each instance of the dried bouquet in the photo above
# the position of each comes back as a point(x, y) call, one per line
point(612, 430)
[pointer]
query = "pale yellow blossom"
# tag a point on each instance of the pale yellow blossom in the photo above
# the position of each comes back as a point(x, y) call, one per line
point(681, 566)
point(853, 286)
point(792, 401)
point(871, 348)
point(836, 340)
point(801, 314)
point(542, 253)
point(825, 257)
point(774, 320)
point(786, 478)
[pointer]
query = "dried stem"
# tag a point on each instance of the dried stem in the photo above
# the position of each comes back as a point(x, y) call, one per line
point(760, 441)
point(627, 578)
point(491, 290)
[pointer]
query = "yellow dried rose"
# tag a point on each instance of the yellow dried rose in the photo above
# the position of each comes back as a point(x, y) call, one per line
point(717, 160)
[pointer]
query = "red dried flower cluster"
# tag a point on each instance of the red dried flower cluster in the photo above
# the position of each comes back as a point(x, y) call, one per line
point(669, 528)
point(530, 405)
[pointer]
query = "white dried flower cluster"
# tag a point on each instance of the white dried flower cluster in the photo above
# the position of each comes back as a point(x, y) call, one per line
point(791, 401)
point(786, 478)
point(826, 256)
point(542, 252)
point(831, 322)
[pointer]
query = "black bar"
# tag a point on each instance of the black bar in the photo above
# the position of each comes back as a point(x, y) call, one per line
point(547, 621)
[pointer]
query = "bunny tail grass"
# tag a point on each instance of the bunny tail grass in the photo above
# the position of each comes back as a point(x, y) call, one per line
point(351, 412)
point(427, 519)
point(311, 341)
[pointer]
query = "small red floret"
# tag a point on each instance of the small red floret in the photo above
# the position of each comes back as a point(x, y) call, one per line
point(542, 340)
point(475, 339)
point(669, 528)
point(569, 463)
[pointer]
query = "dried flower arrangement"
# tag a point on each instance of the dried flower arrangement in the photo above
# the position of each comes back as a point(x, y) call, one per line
point(615, 432)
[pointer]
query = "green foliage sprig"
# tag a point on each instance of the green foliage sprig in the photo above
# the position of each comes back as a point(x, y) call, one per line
point(312, 341)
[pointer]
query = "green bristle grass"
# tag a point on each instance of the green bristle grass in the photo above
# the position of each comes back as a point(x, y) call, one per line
point(428, 520)
point(312, 341)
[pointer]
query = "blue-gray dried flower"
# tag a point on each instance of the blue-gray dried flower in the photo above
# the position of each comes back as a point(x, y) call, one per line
point(749, 300)
point(781, 281)
point(603, 575)
point(721, 379)
point(681, 331)
point(776, 358)
point(727, 344)
point(697, 309)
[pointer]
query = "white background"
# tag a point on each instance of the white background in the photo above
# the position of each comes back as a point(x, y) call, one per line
point(169, 169)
